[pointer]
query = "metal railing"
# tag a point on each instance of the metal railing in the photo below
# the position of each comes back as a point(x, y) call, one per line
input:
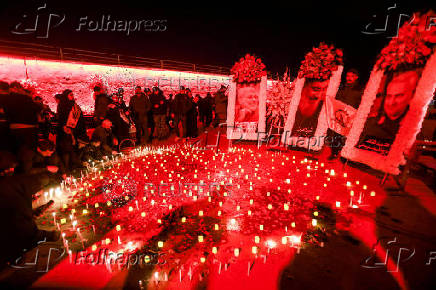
point(32, 50)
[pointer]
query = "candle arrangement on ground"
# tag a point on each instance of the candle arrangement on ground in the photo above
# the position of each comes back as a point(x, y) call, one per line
point(180, 214)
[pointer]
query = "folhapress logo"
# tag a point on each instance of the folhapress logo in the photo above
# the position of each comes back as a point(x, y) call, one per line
point(42, 21)
point(106, 23)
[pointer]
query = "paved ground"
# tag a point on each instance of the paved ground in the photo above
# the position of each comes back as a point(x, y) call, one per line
point(404, 225)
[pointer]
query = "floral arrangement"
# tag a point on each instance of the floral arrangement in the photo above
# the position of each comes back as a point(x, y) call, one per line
point(412, 47)
point(249, 69)
point(321, 62)
point(279, 98)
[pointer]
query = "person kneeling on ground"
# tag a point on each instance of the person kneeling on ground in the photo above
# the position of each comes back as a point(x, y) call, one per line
point(43, 160)
point(89, 152)
point(103, 134)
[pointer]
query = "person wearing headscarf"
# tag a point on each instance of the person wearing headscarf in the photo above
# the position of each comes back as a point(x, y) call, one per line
point(70, 125)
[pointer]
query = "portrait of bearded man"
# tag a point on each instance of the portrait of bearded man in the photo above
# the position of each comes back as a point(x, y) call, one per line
point(380, 130)
point(309, 108)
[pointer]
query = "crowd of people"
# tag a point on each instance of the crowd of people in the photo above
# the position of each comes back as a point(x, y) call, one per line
point(39, 147)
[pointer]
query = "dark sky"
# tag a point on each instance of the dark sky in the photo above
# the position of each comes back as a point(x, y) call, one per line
point(217, 32)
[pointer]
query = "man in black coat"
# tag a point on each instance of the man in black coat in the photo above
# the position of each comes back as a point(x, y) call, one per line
point(102, 102)
point(159, 108)
point(192, 114)
point(221, 100)
point(181, 106)
point(140, 106)
point(205, 106)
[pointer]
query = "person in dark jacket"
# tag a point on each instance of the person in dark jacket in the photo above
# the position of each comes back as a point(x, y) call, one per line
point(220, 106)
point(22, 114)
point(205, 106)
point(88, 152)
point(43, 160)
point(44, 118)
point(191, 115)
point(103, 134)
point(20, 231)
point(140, 106)
point(170, 114)
point(102, 102)
point(159, 109)
point(70, 125)
point(181, 106)
point(116, 113)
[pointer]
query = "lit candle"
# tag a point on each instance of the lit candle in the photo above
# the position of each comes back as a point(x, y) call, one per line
point(236, 252)
point(70, 254)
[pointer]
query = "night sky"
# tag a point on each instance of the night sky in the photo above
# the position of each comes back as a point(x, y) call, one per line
point(219, 33)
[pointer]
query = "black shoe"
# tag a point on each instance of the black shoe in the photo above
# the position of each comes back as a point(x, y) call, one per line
point(37, 212)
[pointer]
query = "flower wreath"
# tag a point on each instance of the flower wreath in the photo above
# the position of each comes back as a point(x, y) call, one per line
point(322, 63)
point(413, 46)
point(249, 69)
point(412, 49)
point(278, 99)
